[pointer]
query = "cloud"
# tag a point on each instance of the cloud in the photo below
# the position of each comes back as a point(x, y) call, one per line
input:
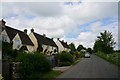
point(62, 20)
point(89, 11)
point(88, 38)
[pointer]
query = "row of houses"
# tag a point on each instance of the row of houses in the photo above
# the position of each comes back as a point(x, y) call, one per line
point(32, 42)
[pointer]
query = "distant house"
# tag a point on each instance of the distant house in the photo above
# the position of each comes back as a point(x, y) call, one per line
point(20, 39)
point(42, 43)
point(62, 45)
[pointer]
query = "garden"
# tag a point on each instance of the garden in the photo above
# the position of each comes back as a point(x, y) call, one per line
point(37, 65)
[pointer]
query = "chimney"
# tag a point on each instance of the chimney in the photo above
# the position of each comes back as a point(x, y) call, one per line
point(2, 23)
point(62, 40)
point(25, 31)
point(44, 35)
point(52, 38)
point(32, 30)
point(57, 38)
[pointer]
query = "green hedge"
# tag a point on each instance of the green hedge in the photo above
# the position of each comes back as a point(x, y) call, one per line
point(64, 59)
point(32, 63)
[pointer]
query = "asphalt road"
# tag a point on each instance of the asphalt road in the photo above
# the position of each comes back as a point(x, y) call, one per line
point(93, 67)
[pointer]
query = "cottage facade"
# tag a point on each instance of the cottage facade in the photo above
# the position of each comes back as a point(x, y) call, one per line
point(62, 46)
point(20, 39)
point(42, 43)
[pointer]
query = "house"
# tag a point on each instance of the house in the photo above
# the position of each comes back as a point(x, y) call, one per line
point(42, 43)
point(20, 39)
point(62, 45)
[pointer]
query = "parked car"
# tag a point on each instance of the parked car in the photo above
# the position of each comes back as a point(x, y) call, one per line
point(87, 55)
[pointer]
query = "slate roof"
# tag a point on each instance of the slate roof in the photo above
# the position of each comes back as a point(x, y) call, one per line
point(44, 40)
point(64, 44)
point(23, 36)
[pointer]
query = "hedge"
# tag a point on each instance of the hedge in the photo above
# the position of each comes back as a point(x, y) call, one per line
point(32, 63)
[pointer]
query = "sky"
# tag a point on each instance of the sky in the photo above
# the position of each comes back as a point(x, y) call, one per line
point(79, 22)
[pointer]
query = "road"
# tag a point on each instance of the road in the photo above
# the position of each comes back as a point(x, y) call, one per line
point(93, 67)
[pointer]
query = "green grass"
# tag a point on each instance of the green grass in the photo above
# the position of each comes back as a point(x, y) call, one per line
point(112, 58)
point(51, 74)
point(76, 61)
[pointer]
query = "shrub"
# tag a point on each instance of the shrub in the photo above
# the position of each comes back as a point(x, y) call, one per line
point(32, 63)
point(65, 59)
point(7, 51)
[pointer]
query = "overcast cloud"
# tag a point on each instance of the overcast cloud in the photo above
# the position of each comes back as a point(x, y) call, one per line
point(77, 22)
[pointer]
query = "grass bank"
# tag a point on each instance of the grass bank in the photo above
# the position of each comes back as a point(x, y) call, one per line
point(48, 75)
point(76, 61)
point(113, 58)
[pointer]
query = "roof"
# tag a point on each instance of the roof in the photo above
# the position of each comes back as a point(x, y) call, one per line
point(64, 44)
point(44, 40)
point(23, 36)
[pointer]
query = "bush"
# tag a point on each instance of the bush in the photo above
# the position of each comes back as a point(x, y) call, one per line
point(7, 51)
point(32, 63)
point(65, 59)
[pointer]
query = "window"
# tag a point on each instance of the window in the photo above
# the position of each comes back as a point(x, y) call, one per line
point(16, 41)
point(18, 46)
point(4, 38)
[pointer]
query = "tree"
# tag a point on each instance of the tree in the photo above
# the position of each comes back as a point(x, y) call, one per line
point(104, 43)
point(72, 47)
point(89, 50)
point(80, 47)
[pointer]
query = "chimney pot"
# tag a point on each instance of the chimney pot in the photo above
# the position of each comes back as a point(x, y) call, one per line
point(32, 30)
point(2, 22)
point(44, 35)
point(25, 31)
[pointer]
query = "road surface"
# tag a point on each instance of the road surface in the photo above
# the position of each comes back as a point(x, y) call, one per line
point(93, 67)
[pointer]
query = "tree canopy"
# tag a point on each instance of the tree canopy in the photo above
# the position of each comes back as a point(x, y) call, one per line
point(104, 43)
point(80, 47)
point(72, 47)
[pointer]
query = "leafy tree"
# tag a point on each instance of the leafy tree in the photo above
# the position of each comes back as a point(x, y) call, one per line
point(104, 43)
point(72, 47)
point(80, 47)
point(89, 50)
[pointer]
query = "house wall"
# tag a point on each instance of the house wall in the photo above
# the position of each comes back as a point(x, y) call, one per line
point(67, 49)
point(30, 48)
point(45, 47)
point(17, 44)
point(60, 47)
point(4, 36)
point(50, 48)
point(34, 40)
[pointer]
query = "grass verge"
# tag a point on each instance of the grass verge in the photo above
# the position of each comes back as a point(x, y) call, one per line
point(76, 61)
point(112, 58)
point(51, 74)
